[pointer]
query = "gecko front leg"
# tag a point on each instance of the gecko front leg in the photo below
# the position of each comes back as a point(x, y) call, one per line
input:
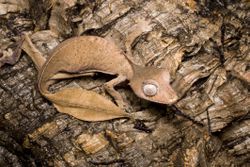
point(109, 87)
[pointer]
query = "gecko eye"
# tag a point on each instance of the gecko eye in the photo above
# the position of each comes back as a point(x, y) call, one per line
point(150, 88)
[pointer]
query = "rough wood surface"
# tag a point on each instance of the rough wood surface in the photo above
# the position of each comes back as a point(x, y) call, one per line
point(205, 46)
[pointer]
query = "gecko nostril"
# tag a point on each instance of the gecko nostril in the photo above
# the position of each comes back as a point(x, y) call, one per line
point(150, 89)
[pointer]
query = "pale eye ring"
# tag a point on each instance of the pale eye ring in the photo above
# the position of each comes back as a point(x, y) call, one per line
point(150, 89)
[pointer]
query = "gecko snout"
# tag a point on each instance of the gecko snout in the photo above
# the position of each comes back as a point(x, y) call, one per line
point(159, 93)
point(153, 84)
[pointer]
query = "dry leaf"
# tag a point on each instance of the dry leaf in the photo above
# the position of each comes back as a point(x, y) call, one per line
point(85, 105)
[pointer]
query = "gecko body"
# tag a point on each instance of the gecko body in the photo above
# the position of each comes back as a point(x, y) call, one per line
point(81, 55)
point(84, 55)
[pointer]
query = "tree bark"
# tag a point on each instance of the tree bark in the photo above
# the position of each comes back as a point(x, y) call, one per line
point(205, 46)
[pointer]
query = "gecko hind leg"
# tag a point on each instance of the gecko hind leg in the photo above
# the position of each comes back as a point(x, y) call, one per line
point(36, 56)
point(74, 74)
point(109, 87)
point(68, 76)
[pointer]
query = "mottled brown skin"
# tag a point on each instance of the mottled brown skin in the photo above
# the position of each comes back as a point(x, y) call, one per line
point(80, 56)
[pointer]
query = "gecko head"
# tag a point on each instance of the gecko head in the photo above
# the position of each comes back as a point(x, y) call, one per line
point(153, 84)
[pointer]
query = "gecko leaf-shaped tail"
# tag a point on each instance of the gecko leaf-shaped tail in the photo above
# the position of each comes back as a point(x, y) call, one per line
point(75, 101)
point(85, 105)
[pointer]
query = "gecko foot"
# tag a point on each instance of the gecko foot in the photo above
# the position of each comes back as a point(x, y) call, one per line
point(123, 105)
